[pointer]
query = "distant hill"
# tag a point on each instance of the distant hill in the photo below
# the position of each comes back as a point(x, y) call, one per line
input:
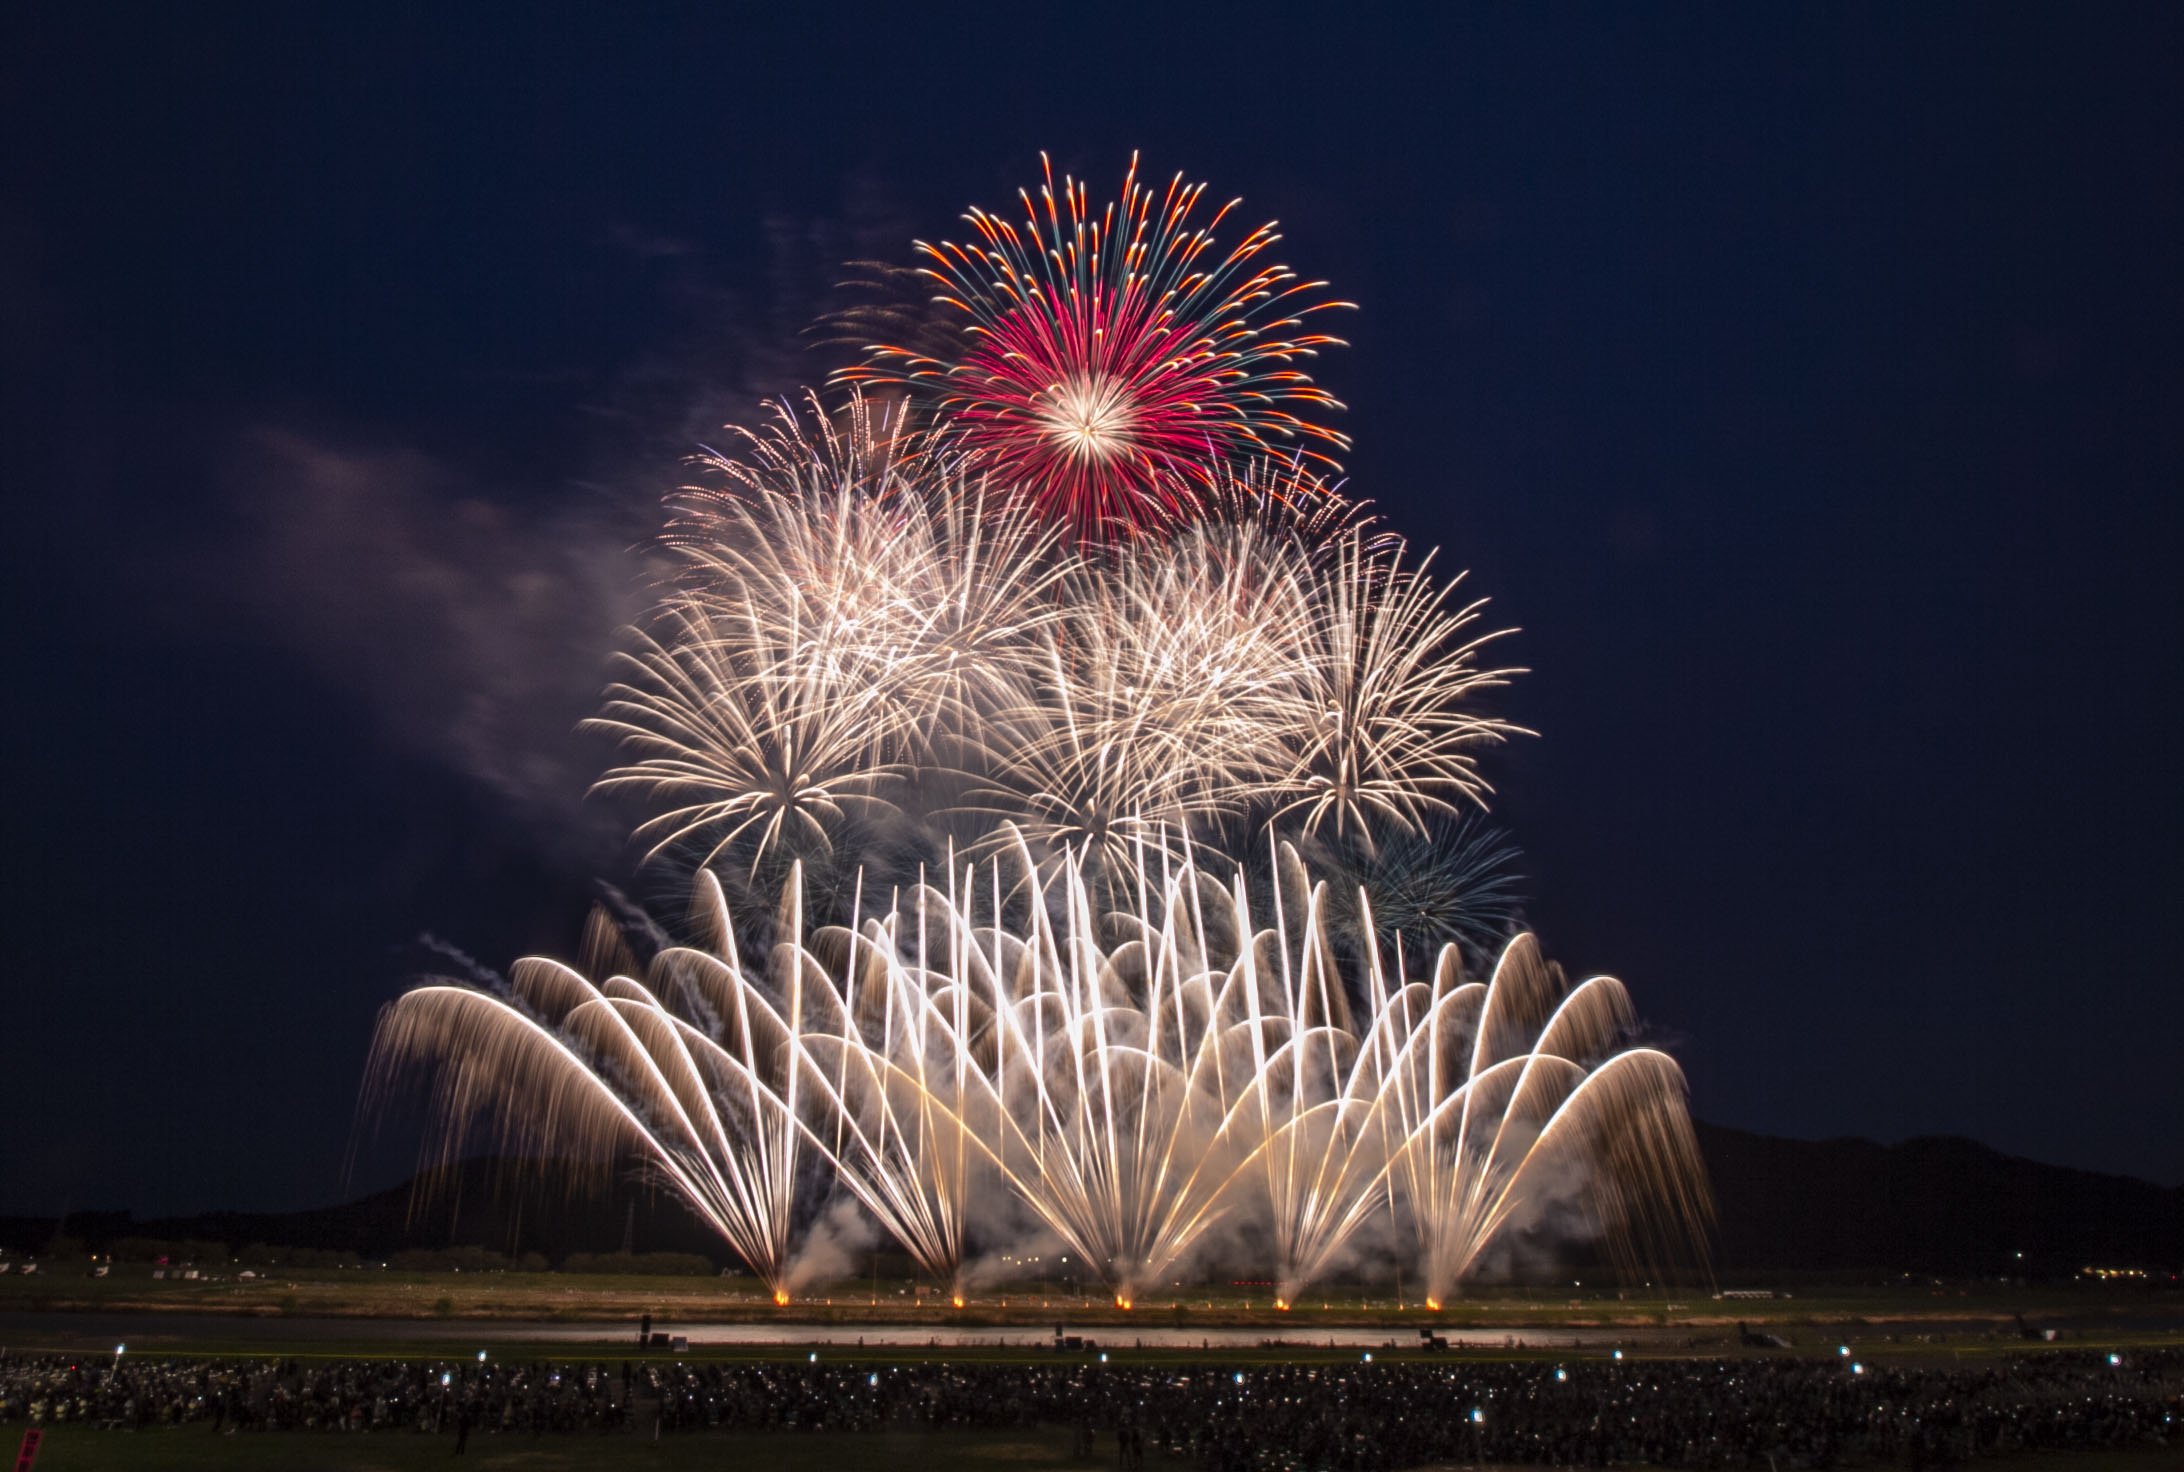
point(477, 1203)
point(1945, 1206)
point(1942, 1205)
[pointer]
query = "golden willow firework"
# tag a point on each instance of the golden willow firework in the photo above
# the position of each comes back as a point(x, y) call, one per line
point(1032, 791)
point(838, 624)
point(1140, 1082)
point(854, 635)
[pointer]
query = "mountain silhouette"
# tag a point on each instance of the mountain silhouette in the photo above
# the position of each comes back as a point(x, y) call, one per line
point(1945, 1206)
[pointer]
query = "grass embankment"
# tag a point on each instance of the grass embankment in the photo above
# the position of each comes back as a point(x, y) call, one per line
point(611, 1299)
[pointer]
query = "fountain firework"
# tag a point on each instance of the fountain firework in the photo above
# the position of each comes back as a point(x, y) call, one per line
point(1003, 762)
point(1137, 1080)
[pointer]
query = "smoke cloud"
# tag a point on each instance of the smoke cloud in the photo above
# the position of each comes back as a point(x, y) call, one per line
point(477, 635)
point(831, 1245)
point(478, 623)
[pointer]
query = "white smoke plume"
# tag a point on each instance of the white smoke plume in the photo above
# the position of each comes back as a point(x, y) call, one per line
point(476, 634)
point(831, 1245)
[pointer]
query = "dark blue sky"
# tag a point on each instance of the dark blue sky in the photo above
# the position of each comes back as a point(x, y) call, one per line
point(1807, 385)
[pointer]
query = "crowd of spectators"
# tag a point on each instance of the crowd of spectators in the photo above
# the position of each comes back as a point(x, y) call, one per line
point(1758, 1411)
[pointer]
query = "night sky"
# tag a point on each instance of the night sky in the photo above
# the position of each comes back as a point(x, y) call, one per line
point(1806, 384)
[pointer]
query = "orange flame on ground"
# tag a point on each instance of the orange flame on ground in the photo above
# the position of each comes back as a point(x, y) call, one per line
point(1434, 1304)
point(781, 1297)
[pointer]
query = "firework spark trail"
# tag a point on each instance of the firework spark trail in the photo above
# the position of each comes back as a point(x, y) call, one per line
point(1123, 1132)
point(1503, 1090)
point(1118, 359)
point(1391, 735)
point(896, 1077)
point(1454, 882)
point(737, 722)
point(694, 1069)
point(1285, 495)
point(1134, 1089)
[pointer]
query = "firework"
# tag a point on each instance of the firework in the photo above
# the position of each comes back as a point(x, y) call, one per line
point(852, 638)
point(1511, 1096)
point(1307, 508)
point(834, 630)
point(694, 1068)
point(1387, 736)
point(1116, 360)
point(908, 647)
point(1160, 698)
point(1135, 1081)
point(1455, 883)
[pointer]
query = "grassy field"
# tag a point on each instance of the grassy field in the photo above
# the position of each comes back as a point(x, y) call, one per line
point(75, 1449)
point(70, 1448)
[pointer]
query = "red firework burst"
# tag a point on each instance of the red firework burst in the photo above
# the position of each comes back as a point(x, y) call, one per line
point(1117, 364)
